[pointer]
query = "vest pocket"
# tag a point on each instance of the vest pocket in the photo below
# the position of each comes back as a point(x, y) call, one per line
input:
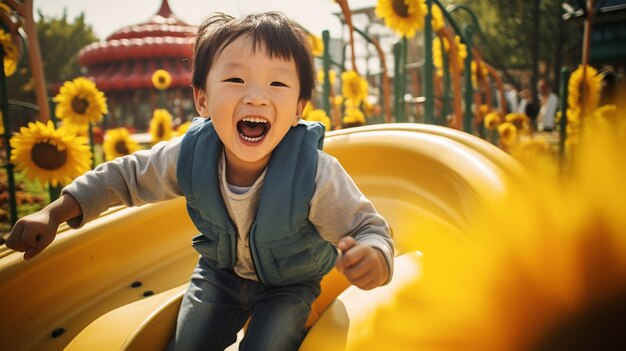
point(216, 248)
point(293, 261)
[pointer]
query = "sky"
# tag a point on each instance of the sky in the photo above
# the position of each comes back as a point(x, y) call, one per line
point(107, 16)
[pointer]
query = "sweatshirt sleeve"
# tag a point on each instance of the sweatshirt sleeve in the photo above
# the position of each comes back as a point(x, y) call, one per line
point(145, 176)
point(339, 209)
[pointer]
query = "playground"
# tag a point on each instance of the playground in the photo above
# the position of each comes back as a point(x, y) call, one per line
point(507, 209)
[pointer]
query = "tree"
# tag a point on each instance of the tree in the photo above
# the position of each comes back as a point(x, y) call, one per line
point(60, 41)
point(510, 31)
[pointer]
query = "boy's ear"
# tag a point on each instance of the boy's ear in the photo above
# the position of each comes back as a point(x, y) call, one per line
point(200, 99)
point(299, 109)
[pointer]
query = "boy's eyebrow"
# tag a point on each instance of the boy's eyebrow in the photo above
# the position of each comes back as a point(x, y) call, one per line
point(236, 65)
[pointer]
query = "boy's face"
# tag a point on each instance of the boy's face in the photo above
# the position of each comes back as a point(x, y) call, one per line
point(252, 100)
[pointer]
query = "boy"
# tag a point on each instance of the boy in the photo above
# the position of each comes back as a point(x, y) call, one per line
point(272, 209)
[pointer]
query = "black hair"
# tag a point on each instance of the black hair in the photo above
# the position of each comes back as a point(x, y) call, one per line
point(280, 36)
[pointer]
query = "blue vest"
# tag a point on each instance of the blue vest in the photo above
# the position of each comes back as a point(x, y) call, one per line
point(285, 247)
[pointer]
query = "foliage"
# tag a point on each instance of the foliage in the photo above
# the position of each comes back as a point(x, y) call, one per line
point(508, 32)
point(60, 41)
point(30, 197)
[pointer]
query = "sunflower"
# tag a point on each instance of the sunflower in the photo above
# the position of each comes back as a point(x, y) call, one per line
point(161, 79)
point(405, 17)
point(50, 155)
point(519, 120)
point(354, 87)
point(338, 100)
point(10, 53)
point(546, 269)
point(80, 102)
point(319, 115)
point(508, 133)
point(353, 118)
point(583, 94)
point(317, 45)
point(161, 125)
point(492, 120)
point(1, 124)
point(438, 56)
point(118, 143)
point(437, 20)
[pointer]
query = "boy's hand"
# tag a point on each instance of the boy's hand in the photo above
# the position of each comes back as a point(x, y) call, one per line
point(363, 265)
point(35, 232)
point(32, 234)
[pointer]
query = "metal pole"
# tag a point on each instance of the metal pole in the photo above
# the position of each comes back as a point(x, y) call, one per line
point(468, 98)
point(4, 105)
point(396, 80)
point(326, 67)
point(429, 103)
point(563, 122)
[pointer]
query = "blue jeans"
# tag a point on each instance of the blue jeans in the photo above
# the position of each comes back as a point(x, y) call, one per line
point(218, 303)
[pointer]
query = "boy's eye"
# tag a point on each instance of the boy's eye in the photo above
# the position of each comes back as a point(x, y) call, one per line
point(278, 84)
point(234, 80)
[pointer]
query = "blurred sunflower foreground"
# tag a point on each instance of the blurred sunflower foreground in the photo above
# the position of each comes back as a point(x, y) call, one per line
point(546, 269)
point(48, 154)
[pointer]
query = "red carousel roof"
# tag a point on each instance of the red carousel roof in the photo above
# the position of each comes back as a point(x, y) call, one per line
point(129, 57)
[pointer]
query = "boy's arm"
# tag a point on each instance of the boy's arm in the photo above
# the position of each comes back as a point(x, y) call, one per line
point(33, 233)
point(340, 213)
point(144, 177)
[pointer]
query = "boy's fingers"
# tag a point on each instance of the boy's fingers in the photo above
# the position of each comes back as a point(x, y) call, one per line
point(14, 241)
point(29, 237)
point(357, 272)
point(35, 250)
point(346, 244)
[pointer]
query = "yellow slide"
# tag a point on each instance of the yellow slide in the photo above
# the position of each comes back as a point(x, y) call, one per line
point(116, 283)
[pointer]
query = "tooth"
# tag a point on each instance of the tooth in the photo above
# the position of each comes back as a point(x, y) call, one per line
point(251, 139)
point(255, 119)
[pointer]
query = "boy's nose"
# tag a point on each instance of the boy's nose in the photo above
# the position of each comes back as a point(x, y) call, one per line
point(255, 96)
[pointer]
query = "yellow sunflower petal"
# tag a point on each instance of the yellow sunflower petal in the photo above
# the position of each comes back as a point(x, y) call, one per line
point(508, 133)
point(11, 53)
point(584, 89)
point(492, 120)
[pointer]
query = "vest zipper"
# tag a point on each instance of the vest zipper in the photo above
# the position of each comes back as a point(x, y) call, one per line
point(253, 255)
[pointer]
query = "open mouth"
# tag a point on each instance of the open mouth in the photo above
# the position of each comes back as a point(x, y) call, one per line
point(253, 129)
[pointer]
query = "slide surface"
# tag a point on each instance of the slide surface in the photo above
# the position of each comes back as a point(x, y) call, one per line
point(116, 283)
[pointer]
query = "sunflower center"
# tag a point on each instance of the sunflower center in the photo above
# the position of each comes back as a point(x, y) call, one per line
point(79, 105)
point(160, 130)
point(47, 156)
point(355, 88)
point(400, 8)
point(120, 148)
point(161, 80)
